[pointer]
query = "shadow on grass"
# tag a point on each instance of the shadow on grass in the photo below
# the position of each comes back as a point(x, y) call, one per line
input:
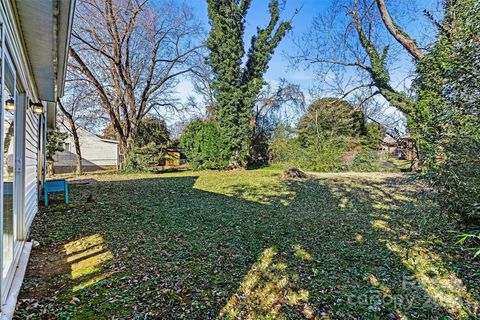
point(210, 247)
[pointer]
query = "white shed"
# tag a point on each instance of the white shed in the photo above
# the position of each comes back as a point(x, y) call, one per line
point(97, 153)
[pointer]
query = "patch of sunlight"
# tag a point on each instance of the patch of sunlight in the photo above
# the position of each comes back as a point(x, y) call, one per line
point(359, 238)
point(387, 295)
point(86, 256)
point(400, 315)
point(442, 285)
point(300, 253)
point(90, 265)
point(262, 190)
point(402, 197)
point(266, 289)
point(381, 224)
point(91, 281)
point(404, 237)
point(381, 205)
point(83, 243)
point(343, 203)
point(88, 252)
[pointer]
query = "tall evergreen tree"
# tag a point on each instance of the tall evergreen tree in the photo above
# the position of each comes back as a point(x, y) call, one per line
point(236, 85)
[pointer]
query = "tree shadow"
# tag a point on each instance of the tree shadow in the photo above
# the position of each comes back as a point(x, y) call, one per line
point(342, 247)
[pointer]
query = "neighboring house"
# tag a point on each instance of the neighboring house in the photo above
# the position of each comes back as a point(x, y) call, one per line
point(33, 52)
point(400, 148)
point(97, 153)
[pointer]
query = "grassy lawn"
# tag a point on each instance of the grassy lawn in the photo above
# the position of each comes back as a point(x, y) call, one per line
point(247, 245)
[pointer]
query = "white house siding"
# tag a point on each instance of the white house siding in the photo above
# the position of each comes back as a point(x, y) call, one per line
point(27, 146)
point(31, 167)
point(34, 39)
point(97, 153)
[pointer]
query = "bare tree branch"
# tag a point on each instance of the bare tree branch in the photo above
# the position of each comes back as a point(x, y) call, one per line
point(403, 38)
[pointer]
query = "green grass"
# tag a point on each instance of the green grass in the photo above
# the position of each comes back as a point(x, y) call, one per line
point(247, 245)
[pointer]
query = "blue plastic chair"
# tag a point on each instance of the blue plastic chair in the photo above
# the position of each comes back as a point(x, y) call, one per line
point(8, 188)
point(55, 186)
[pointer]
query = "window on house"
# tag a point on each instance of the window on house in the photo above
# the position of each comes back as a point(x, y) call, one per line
point(66, 147)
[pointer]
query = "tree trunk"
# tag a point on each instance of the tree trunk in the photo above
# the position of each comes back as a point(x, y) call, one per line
point(76, 139)
point(50, 168)
point(78, 151)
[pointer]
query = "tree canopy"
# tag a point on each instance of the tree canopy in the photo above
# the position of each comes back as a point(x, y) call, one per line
point(328, 118)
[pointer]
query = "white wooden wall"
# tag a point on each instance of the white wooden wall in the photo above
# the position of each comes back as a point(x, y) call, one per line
point(31, 168)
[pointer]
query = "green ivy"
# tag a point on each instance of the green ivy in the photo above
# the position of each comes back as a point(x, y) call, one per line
point(236, 86)
point(446, 121)
point(205, 146)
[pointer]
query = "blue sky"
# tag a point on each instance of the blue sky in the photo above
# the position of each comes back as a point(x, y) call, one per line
point(279, 66)
point(415, 23)
point(258, 16)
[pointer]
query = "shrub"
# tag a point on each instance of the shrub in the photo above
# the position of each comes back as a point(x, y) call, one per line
point(55, 141)
point(144, 158)
point(328, 118)
point(446, 120)
point(324, 156)
point(374, 134)
point(365, 161)
point(458, 178)
point(204, 146)
point(284, 147)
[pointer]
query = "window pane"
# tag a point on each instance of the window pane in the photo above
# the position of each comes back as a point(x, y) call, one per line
point(8, 166)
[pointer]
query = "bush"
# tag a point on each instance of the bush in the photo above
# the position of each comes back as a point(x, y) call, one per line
point(55, 140)
point(327, 133)
point(284, 147)
point(374, 134)
point(327, 118)
point(144, 158)
point(365, 161)
point(458, 178)
point(323, 156)
point(204, 146)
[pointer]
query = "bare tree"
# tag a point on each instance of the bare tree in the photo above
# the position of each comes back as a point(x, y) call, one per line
point(278, 105)
point(274, 106)
point(354, 40)
point(202, 84)
point(132, 53)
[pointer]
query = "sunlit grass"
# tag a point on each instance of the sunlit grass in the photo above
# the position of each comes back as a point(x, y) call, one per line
point(441, 284)
point(92, 281)
point(83, 244)
point(90, 265)
point(267, 288)
point(381, 224)
point(94, 250)
point(87, 256)
point(248, 187)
